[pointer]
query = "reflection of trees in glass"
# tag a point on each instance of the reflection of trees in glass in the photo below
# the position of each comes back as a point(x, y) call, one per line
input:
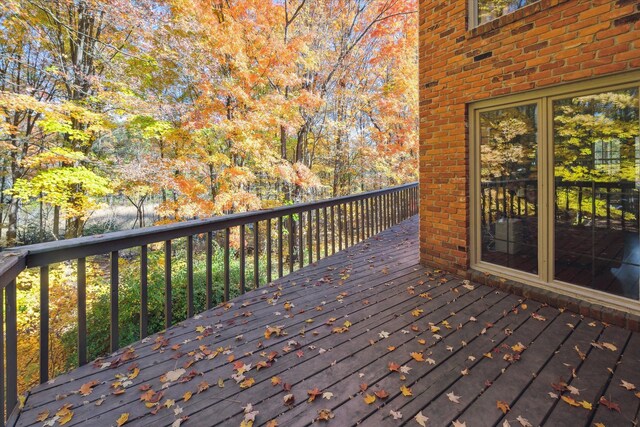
point(508, 145)
point(489, 10)
point(595, 137)
point(596, 140)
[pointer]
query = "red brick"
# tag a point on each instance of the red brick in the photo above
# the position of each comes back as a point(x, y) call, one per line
point(547, 43)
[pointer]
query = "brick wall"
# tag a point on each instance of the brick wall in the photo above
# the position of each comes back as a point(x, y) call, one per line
point(546, 43)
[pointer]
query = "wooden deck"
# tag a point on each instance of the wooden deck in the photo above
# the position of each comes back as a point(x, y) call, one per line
point(368, 318)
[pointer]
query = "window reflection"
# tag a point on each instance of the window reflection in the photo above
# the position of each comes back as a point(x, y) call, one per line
point(509, 206)
point(488, 10)
point(597, 164)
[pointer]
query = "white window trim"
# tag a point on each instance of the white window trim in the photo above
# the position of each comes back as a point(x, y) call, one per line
point(544, 98)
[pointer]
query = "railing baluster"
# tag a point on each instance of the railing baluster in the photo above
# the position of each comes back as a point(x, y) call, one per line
point(269, 276)
point(256, 253)
point(144, 292)
point(209, 272)
point(12, 347)
point(351, 223)
point(356, 205)
point(310, 236)
point(168, 295)
point(190, 276)
point(280, 249)
point(242, 259)
point(318, 256)
point(292, 228)
point(339, 227)
point(226, 265)
point(333, 230)
point(301, 239)
point(325, 231)
point(82, 311)
point(115, 280)
point(44, 324)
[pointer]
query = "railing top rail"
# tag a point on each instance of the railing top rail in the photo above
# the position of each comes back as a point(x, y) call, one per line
point(42, 254)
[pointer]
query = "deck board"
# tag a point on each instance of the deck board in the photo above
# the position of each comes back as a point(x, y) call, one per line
point(377, 286)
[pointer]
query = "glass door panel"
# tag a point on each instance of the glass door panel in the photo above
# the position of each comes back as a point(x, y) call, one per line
point(509, 187)
point(596, 174)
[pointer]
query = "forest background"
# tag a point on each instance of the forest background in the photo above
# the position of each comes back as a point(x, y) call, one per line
point(184, 109)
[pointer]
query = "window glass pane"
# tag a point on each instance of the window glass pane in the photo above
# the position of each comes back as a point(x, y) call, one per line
point(509, 184)
point(597, 165)
point(488, 10)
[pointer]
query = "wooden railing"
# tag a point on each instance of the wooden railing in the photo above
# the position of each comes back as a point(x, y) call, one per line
point(319, 228)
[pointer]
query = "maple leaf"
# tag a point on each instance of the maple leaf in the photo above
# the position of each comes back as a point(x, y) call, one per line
point(313, 394)
point(609, 404)
point(394, 367)
point(457, 423)
point(186, 396)
point(586, 405)
point(417, 312)
point(289, 399)
point(503, 406)
point(42, 416)
point(87, 388)
point(417, 357)
point(369, 398)
point(421, 419)
point(383, 334)
point(275, 381)
point(324, 415)
point(122, 419)
point(364, 387)
point(247, 383)
point(405, 369)
point(406, 391)
point(272, 423)
point(453, 398)
point(172, 376)
point(627, 385)
point(523, 421)
point(65, 414)
point(397, 415)
point(570, 400)
point(382, 394)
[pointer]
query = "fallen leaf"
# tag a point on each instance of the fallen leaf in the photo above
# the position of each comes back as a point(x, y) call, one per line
point(503, 406)
point(172, 376)
point(397, 415)
point(122, 419)
point(43, 415)
point(87, 388)
point(313, 394)
point(523, 421)
point(275, 380)
point(186, 396)
point(570, 400)
point(586, 405)
point(627, 385)
point(452, 397)
point(538, 317)
point(382, 394)
point(324, 415)
point(418, 357)
point(369, 398)
point(457, 423)
point(609, 404)
point(393, 366)
point(421, 419)
point(406, 391)
point(327, 395)
point(289, 399)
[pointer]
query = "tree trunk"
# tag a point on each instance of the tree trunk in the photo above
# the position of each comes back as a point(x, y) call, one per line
point(56, 222)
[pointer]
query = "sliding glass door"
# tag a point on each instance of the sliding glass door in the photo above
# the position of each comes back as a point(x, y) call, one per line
point(596, 164)
point(555, 192)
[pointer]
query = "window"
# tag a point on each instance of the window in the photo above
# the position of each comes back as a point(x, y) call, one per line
point(482, 11)
point(555, 189)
